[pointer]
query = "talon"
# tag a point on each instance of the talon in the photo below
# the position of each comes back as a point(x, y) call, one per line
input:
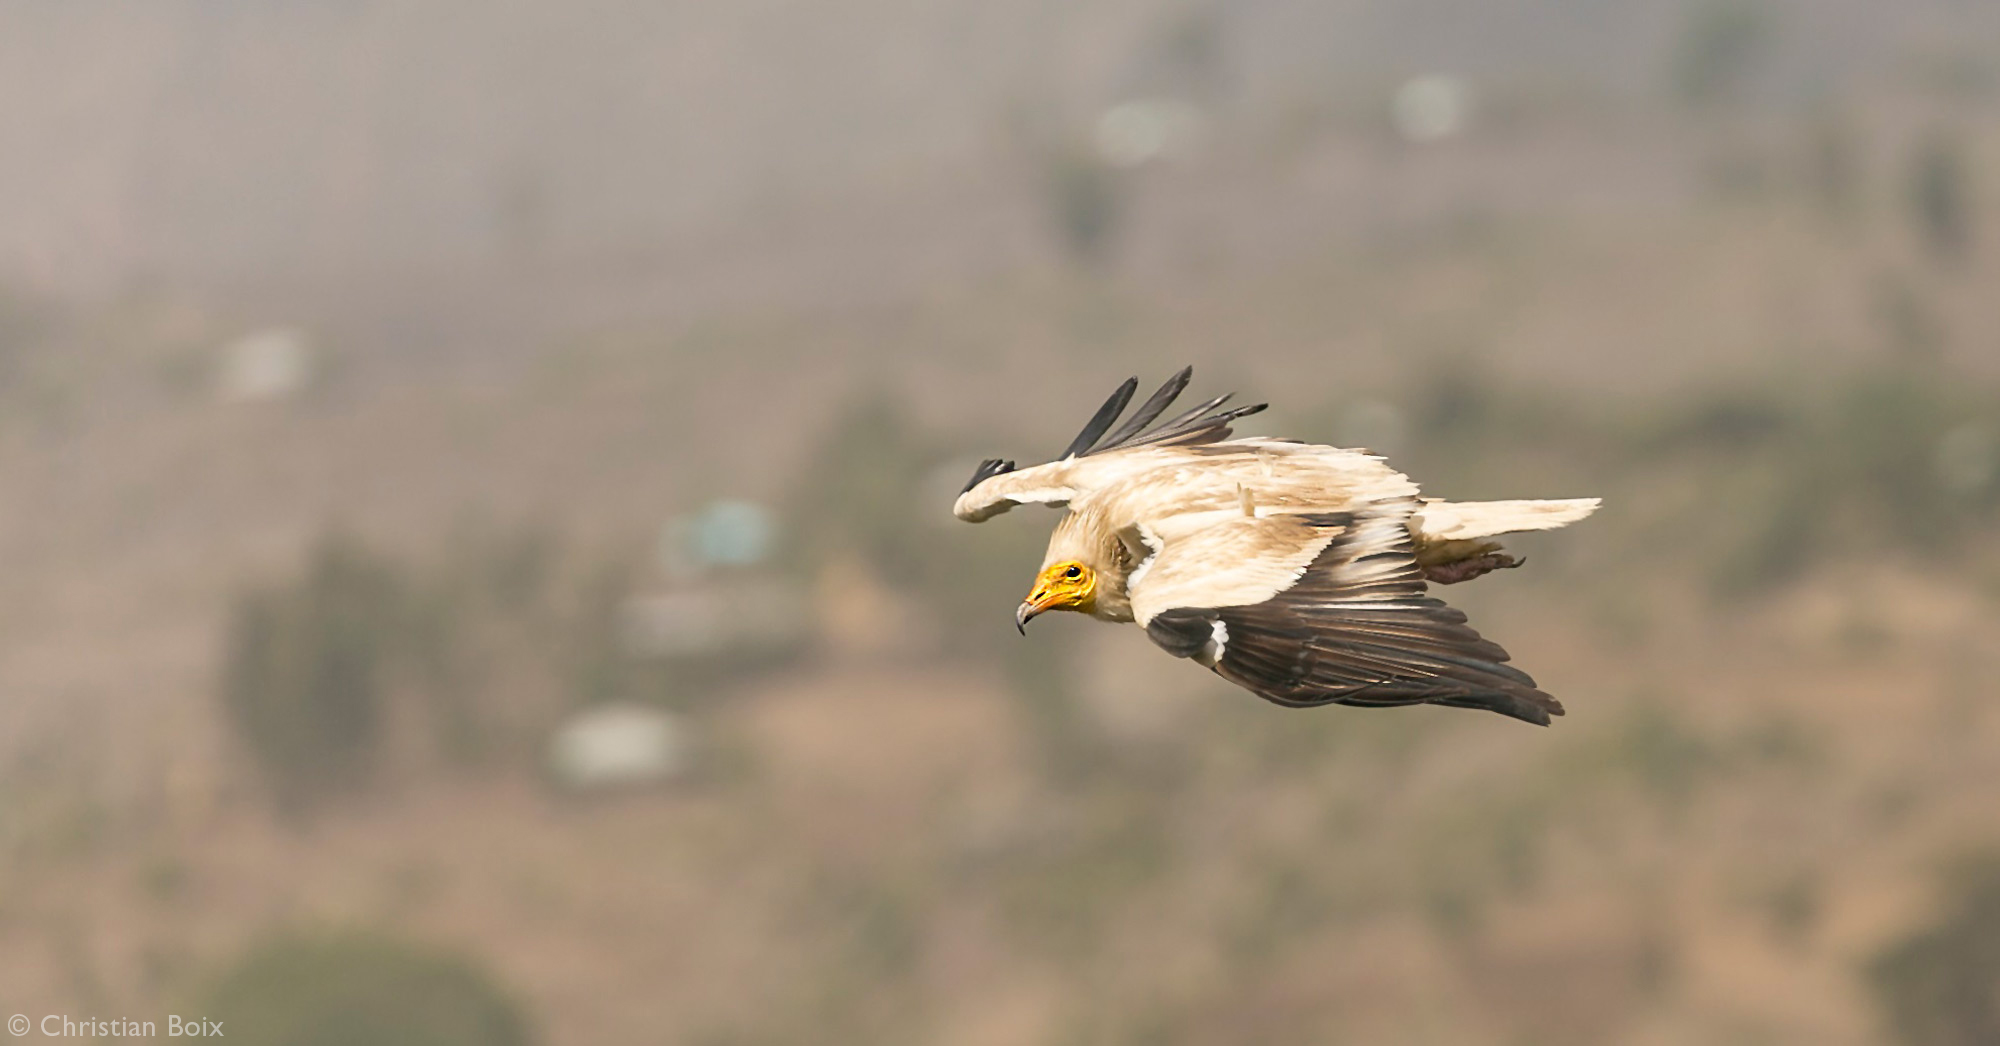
point(1470, 567)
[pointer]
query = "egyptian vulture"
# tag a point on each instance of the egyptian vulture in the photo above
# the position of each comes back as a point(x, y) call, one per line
point(1296, 571)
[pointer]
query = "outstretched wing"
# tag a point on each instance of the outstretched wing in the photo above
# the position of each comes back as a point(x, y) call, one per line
point(997, 485)
point(1322, 608)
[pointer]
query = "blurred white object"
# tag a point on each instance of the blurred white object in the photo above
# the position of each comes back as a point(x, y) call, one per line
point(275, 363)
point(1136, 132)
point(614, 745)
point(1431, 108)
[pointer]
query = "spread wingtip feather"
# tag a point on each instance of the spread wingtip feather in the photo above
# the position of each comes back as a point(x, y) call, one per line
point(1204, 424)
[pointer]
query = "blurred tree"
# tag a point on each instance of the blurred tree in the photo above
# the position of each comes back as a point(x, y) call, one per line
point(1915, 332)
point(1833, 166)
point(1084, 202)
point(1192, 54)
point(1720, 49)
point(599, 667)
point(1940, 986)
point(1859, 464)
point(860, 494)
point(303, 680)
point(23, 321)
point(1940, 190)
point(1794, 907)
point(361, 991)
point(366, 664)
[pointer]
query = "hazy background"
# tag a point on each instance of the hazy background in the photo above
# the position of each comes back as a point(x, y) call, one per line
point(474, 513)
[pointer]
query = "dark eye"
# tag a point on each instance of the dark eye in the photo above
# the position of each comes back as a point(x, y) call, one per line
point(1073, 573)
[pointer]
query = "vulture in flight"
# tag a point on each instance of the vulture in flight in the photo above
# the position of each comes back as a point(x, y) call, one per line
point(1296, 571)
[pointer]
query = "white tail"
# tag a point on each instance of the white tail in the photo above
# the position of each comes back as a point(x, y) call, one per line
point(1458, 520)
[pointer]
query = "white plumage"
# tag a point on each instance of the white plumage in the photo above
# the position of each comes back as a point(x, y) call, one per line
point(1298, 571)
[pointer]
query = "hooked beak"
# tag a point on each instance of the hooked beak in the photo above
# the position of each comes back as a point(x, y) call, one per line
point(1037, 602)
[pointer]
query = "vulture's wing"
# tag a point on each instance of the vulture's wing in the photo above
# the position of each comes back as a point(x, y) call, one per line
point(1311, 609)
point(1087, 463)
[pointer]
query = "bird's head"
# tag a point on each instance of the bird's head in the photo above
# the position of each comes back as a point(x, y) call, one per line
point(1068, 585)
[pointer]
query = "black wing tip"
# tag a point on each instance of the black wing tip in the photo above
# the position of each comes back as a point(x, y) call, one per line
point(1204, 424)
point(1150, 411)
point(988, 469)
point(1193, 427)
point(1531, 706)
point(1100, 422)
point(1430, 654)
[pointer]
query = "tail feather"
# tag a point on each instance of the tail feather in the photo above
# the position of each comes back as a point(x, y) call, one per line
point(1461, 520)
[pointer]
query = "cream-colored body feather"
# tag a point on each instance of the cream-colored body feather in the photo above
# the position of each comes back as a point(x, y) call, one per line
point(1205, 525)
point(1294, 570)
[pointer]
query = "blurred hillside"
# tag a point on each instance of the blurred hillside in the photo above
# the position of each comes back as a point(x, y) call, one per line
point(478, 553)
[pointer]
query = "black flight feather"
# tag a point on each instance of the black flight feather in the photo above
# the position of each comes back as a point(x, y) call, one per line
point(1203, 424)
point(1331, 640)
point(1196, 413)
point(988, 469)
point(1205, 429)
point(1151, 409)
point(1101, 420)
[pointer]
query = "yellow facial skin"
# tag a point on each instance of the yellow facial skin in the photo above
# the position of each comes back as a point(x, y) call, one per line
point(1063, 586)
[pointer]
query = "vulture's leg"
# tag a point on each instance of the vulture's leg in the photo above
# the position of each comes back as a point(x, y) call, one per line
point(1470, 567)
